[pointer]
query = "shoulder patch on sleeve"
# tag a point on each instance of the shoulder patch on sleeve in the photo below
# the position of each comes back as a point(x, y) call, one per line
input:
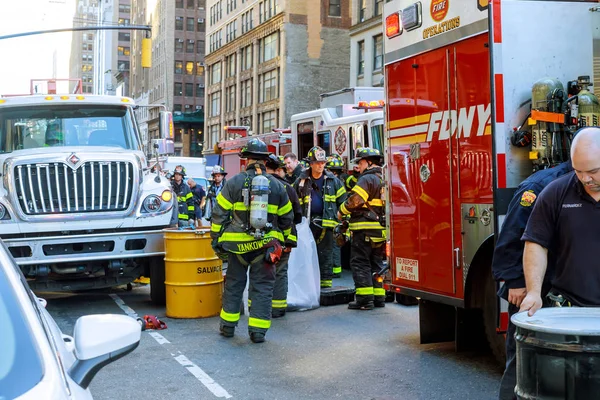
point(528, 198)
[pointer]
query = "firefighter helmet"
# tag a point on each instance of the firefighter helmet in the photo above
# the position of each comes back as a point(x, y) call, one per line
point(368, 153)
point(180, 169)
point(274, 162)
point(217, 169)
point(304, 164)
point(256, 149)
point(335, 165)
point(335, 157)
point(316, 154)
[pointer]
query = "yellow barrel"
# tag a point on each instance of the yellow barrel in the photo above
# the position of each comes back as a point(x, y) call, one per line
point(193, 274)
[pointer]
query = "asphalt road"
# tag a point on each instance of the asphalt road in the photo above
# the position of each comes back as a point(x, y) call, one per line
point(330, 352)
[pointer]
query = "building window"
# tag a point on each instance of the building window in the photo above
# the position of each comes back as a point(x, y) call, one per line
point(247, 57)
point(178, 45)
point(362, 13)
point(191, 3)
point(200, 25)
point(268, 121)
point(231, 5)
point(123, 66)
point(269, 47)
point(123, 51)
point(189, 90)
point(179, 23)
point(246, 93)
point(247, 23)
point(177, 108)
point(335, 8)
point(361, 57)
point(190, 46)
point(125, 8)
point(215, 104)
point(199, 68)
point(214, 133)
point(124, 37)
point(200, 46)
point(378, 52)
point(199, 91)
point(230, 99)
point(231, 65)
point(231, 31)
point(215, 76)
point(179, 3)
point(190, 25)
point(268, 86)
point(189, 68)
point(266, 10)
point(378, 7)
point(179, 67)
point(124, 21)
point(178, 90)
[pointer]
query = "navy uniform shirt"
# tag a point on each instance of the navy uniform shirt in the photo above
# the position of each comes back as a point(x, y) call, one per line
point(567, 220)
point(507, 264)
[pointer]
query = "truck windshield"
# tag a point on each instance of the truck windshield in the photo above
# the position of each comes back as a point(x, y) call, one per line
point(58, 126)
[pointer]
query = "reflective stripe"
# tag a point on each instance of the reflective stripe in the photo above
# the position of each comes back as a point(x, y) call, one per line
point(376, 203)
point(304, 200)
point(239, 206)
point(184, 217)
point(230, 317)
point(285, 209)
point(379, 292)
point(191, 208)
point(377, 240)
point(272, 209)
point(244, 237)
point(215, 228)
point(354, 226)
point(286, 232)
point(364, 291)
point(341, 191)
point(361, 192)
point(337, 270)
point(259, 323)
point(189, 196)
point(326, 283)
point(344, 210)
point(292, 238)
point(328, 223)
point(330, 197)
point(249, 303)
point(223, 202)
point(279, 304)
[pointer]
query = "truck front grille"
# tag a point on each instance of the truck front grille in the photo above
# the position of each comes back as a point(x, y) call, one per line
point(56, 188)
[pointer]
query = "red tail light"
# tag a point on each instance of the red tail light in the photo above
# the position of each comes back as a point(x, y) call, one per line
point(393, 26)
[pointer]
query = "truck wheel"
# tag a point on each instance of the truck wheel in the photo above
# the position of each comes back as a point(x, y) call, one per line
point(490, 316)
point(158, 293)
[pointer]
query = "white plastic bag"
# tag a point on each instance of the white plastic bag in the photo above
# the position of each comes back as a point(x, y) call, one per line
point(304, 278)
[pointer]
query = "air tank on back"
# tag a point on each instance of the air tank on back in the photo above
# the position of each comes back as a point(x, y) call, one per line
point(589, 107)
point(546, 95)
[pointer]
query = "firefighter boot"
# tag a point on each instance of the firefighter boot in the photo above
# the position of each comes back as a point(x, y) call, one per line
point(257, 337)
point(227, 331)
point(361, 305)
point(278, 313)
point(379, 303)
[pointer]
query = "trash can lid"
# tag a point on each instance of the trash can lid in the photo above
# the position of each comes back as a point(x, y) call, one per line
point(561, 320)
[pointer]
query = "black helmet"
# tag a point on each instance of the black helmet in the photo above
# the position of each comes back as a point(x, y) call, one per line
point(256, 149)
point(217, 169)
point(368, 153)
point(274, 162)
point(335, 165)
point(180, 169)
point(335, 157)
point(316, 154)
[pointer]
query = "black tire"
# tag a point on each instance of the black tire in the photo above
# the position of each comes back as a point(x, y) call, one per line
point(158, 293)
point(490, 310)
point(406, 300)
point(389, 296)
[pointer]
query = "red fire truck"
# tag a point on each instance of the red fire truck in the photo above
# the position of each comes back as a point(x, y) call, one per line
point(492, 74)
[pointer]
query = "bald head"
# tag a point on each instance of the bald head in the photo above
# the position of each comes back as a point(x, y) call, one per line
point(585, 157)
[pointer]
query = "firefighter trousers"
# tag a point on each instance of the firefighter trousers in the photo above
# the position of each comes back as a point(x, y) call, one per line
point(324, 239)
point(281, 286)
point(262, 280)
point(366, 258)
point(337, 260)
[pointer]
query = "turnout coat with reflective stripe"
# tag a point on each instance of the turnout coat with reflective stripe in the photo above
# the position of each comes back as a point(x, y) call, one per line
point(185, 201)
point(365, 206)
point(334, 195)
point(231, 218)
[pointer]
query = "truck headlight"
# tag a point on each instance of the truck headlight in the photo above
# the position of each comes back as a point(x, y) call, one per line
point(166, 195)
point(152, 203)
point(2, 211)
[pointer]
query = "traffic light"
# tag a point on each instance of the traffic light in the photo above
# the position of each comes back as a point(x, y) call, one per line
point(146, 53)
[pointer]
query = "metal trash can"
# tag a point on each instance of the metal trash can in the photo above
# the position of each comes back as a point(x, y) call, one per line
point(193, 274)
point(558, 353)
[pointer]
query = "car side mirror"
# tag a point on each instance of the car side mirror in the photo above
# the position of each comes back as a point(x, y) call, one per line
point(99, 340)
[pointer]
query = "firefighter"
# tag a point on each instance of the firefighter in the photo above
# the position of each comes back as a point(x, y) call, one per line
point(218, 174)
point(185, 198)
point(321, 194)
point(351, 178)
point(293, 167)
point(367, 226)
point(276, 168)
point(199, 198)
point(251, 221)
point(336, 166)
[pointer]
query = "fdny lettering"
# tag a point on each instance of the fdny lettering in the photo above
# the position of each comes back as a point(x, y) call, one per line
point(250, 246)
point(448, 123)
point(209, 270)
